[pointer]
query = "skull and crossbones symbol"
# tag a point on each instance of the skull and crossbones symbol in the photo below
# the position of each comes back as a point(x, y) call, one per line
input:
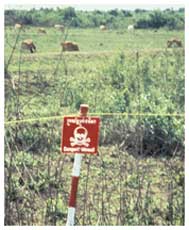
point(80, 137)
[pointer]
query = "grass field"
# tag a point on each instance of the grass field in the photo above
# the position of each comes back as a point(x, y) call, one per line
point(138, 176)
point(91, 40)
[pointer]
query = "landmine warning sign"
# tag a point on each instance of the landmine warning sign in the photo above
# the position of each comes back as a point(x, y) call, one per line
point(80, 135)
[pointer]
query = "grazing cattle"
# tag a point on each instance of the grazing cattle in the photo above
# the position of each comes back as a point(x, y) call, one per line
point(18, 26)
point(174, 42)
point(29, 45)
point(42, 31)
point(130, 28)
point(69, 46)
point(59, 27)
point(103, 27)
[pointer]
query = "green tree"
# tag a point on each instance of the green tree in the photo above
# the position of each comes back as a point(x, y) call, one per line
point(114, 12)
point(69, 13)
point(157, 19)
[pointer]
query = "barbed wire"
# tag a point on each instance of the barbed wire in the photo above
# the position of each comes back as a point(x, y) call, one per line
point(30, 120)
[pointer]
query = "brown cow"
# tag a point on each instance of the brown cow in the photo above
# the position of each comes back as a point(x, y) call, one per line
point(29, 45)
point(42, 31)
point(69, 46)
point(174, 42)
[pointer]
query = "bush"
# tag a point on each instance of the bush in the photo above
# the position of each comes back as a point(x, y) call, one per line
point(144, 93)
point(157, 19)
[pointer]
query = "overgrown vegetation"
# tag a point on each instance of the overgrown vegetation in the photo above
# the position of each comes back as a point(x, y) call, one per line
point(138, 176)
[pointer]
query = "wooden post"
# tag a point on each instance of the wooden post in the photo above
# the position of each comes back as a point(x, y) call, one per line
point(75, 177)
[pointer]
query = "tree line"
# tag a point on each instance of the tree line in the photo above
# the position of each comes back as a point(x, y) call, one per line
point(114, 18)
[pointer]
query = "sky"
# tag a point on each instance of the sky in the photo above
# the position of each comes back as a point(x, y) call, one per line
point(95, 6)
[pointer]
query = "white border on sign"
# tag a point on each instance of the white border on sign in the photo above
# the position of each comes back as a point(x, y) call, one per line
point(96, 2)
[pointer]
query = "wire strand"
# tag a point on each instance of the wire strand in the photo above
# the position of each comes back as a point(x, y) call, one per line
point(30, 120)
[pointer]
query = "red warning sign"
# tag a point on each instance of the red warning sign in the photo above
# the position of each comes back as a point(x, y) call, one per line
point(80, 135)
